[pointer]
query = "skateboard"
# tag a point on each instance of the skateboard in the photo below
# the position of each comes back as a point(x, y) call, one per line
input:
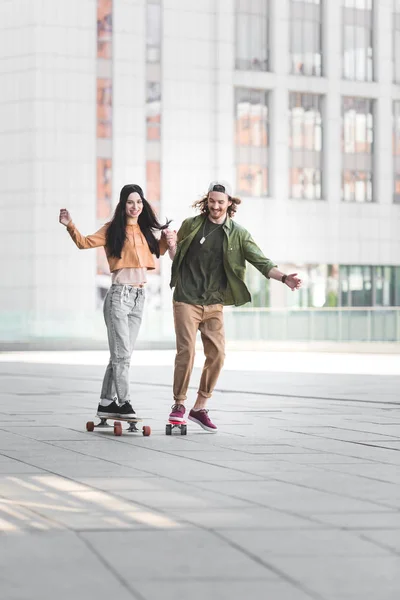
point(175, 424)
point(146, 430)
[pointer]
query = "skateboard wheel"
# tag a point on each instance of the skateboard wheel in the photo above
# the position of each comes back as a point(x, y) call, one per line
point(90, 426)
point(183, 429)
point(146, 430)
point(168, 429)
point(117, 428)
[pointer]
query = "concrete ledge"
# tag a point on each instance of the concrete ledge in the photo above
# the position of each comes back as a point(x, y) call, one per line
point(290, 346)
point(264, 345)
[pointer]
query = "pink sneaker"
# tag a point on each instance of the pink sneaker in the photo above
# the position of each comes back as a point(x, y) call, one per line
point(201, 418)
point(177, 413)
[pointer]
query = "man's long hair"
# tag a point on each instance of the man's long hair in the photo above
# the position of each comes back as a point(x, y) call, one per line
point(202, 205)
point(147, 221)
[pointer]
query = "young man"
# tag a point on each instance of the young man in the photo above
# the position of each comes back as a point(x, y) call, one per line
point(207, 273)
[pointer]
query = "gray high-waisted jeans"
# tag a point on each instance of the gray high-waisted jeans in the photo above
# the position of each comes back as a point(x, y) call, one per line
point(123, 308)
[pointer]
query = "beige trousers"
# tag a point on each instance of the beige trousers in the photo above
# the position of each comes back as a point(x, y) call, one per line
point(188, 319)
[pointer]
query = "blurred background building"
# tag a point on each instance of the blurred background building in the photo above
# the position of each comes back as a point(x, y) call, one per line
point(296, 102)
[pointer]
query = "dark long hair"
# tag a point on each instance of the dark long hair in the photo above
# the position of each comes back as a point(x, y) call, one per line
point(147, 221)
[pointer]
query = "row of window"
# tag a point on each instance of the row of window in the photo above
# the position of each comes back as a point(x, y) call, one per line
point(306, 145)
point(104, 131)
point(351, 286)
point(153, 102)
point(306, 54)
point(335, 285)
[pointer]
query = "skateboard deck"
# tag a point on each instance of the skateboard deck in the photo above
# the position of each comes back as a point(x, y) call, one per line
point(146, 430)
point(171, 425)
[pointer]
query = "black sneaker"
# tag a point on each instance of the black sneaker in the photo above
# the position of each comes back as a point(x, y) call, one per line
point(126, 411)
point(108, 412)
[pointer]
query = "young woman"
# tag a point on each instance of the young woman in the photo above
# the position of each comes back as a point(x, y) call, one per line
point(130, 244)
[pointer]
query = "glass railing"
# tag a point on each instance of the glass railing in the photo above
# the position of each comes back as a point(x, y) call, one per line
point(376, 324)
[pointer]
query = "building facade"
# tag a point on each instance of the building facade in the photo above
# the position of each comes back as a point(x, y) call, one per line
point(296, 102)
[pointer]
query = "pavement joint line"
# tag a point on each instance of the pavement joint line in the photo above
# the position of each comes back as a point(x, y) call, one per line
point(291, 513)
point(300, 515)
point(354, 430)
point(333, 493)
point(390, 549)
point(293, 581)
point(134, 593)
point(332, 439)
point(364, 460)
point(361, 476)
point(236, 392)
point(372, 445)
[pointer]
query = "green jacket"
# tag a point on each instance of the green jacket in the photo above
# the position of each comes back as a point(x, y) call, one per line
point(239, 246)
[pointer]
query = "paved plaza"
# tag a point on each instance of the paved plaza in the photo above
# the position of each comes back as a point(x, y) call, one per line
point(296, 497)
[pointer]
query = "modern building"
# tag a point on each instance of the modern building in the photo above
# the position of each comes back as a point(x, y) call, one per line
point(296, 102)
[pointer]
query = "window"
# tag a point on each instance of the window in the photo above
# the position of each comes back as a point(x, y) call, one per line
point(153, 169)
point(383, 286)
point(355, 286)
point(104, 28)
point(104, 188)
point(357, 40)
point(104, 108)
point(369, 286)
point(153, 110)
point(305, 37)
point(252, 141)
point(305, 142)
point(252, 35)
point(357, 149)
point(320, 286)
point(347, 286)
point(396, 285)
point(396, 41)
point(153, 40)
point(153, 103)
point(396, 151)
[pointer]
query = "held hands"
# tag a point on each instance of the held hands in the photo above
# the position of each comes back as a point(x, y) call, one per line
point(293, 282)
point(65, 217)
point(170, 236)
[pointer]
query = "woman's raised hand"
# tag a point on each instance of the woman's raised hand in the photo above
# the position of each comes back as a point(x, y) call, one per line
point(65, 217)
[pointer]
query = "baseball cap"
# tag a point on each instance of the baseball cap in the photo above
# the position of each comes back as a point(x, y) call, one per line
point(215, 186)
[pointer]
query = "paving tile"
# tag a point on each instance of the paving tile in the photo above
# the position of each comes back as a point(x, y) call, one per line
point(221, 590)
point(367, 520)
point(343, 575)
point(303, 542)
point(33, 565)
point(184, 499)
point(175, 555)
point(388, 539)
point(247, 519)
point(295, 498)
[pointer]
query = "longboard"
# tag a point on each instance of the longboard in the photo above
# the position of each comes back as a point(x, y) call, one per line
point(146, 430)
point(182, 425)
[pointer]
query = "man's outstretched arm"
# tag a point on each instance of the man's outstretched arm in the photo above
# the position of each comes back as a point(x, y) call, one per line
point(255, 256)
